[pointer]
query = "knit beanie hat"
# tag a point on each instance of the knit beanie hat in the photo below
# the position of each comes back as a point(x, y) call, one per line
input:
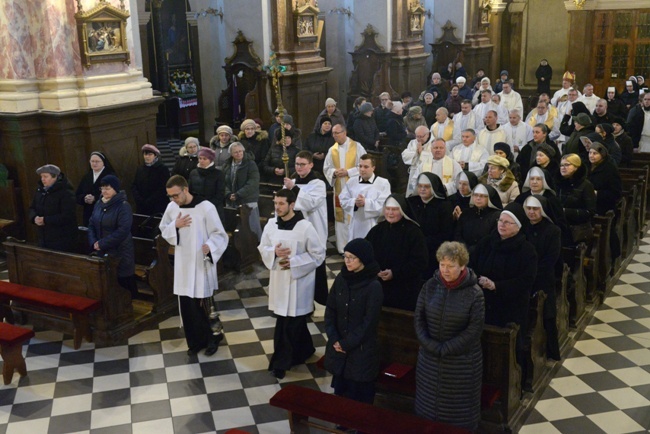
point(325, 119)
point(192, 140)
point(362, 249)
point(112, 181)
point(330, 101)
point(247, 123)
point(207, 153)
point(224, 129)
point(365, 108)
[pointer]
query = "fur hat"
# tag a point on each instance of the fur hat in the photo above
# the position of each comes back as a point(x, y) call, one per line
point(546, 149)
point(111, 180)
point(150, 149)
point(496, 160)
point(362, 249)
point(207, 153)
point(49, 168)
point(192, 140)
point(247, 123)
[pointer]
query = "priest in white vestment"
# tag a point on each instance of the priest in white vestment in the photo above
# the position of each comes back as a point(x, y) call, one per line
point(469, 154)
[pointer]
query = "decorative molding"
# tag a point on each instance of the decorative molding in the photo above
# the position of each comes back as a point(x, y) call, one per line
point(592, 5)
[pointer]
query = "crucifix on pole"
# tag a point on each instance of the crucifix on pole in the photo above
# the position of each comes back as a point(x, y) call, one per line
point(275, 70)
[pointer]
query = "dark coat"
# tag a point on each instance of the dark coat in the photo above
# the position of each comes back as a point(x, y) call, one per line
point(210, 184)
point(57, 206)
point(87, 186)
point(466, 92)
point(110, 225)
point(449, 324)
point(577, 197)
point(396, 130)
point(351, 319)
point(555, 212)
point(185, 164)
point(627, 148)
point(453, 104)
point(617, 108)
point(400, 247)
point(573, 144)
point(429, 113)
point(546, 237)
point(512, 265)
point(545, 72)
point(606, 181)
point(436, 222)
point(336, 117)
point(475, 224)
point(352, 118)
point(629, 99)
point(526, 157)
point(257, 146)
point(273, 161)
point(149, 190)
point(247, 181)
point(317, 142)
point(635, 121)
point(366, 131)
point(381, 118)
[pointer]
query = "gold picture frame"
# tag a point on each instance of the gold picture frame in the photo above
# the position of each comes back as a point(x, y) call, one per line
point(306, 21)
point(102, 33)
point(416, 19)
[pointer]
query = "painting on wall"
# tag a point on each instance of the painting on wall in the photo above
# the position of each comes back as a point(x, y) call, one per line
point(102, 34)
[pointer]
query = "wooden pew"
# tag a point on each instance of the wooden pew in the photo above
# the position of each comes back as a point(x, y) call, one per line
point(629, 220)
point(562, 305)
point(634, 183)
point(10, 211)
point(575, 257)
point(11, 350)
point(303, 403)
point(535, 345)
point(501, 391)
point(641, 174)
point(592, 265)
point(85, 276)
point(604, 253)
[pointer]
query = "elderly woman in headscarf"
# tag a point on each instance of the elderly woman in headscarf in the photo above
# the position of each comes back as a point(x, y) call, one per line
point(412, 120)
point(546, 237)
point(501, 179)
point(465, 183)
point(88, 192)
point(429, 108)
point(188, 158)
point(148, 187)
point(480, 218)
point(577, 196)
point(401, 251)
point(506, 264)
point(606, 179)
point(432, 211)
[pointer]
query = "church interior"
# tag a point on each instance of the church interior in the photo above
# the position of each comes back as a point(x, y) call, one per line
point(79, 76)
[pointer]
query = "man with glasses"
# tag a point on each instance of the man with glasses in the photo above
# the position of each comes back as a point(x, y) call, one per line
point(192, 225)
point(363, 198)
point(382, 111)
point(340, 165)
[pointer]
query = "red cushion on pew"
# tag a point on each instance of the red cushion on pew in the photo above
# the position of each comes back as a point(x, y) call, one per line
point(46, 297)
point(12, 335)
point(489, 395)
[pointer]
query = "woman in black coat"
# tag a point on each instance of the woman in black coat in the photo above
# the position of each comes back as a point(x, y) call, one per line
point(480, 219)
point(429, 109)
point(148, 187)
point(506, 265)
point(544, 74)
point(351, 319)
point(273, 166)
point(88, 189)
point(320, 142)
point(365, 127)
point(53, 210)
point(188, 158)
point(256, 143)
point(546, 237)
point(528, 154)
point(606, 179)
point(395, 128)
point(465, 183)
point(433, 212)
point(109, 231)
point(576, 195)
point(207, 181)
point(449, 319)
point(401, 251)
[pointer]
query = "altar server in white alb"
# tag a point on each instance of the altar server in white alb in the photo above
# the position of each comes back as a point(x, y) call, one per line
point(292, 250)
point(311, 201)
point(363, 198)
point(191, 224)
point(340, 165)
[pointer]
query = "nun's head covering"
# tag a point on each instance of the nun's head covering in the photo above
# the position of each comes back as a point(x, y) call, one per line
point(494, 200)
point(468, 176)
point(538, 171)
point(539, 201)
point(516, 211)
point(439, 189)
point(398, 200)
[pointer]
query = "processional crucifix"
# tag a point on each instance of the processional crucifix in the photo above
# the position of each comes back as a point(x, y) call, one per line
point(275, 70)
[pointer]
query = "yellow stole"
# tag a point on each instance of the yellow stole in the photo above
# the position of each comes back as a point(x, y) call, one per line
point(549, 119)
point(448, 133)
point(350, 162)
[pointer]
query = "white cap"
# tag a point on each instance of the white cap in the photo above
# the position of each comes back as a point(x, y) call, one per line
point(611, 89)
point(628, 83)
point(330, 101)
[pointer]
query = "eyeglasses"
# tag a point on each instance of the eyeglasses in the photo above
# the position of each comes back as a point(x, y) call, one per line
point(566, 164)
point(349, 258)
point(337, 132)
point(505, 223)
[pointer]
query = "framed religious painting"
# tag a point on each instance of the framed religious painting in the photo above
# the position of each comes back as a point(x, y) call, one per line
point(416, 19)
point(102, 33)
point(306, 21)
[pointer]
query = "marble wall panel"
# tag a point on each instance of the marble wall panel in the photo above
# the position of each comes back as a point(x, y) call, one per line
point(16, 41)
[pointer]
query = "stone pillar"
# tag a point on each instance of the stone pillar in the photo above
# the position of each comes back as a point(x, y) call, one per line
point(306, 75)
point(478, 54)
point(512, 32)
point(581, 22)
point(407, 70)
point(498, 35)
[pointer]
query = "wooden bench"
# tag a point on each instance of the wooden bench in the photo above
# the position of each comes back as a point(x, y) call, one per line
point(562, 306)
point(63, 306)
point(11, 350)
point(575, 258)
point(303, 403)
point(535, 342)
point(10, 211)
point(639, 172)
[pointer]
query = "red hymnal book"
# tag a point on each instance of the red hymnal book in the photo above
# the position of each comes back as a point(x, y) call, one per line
point(397, 370)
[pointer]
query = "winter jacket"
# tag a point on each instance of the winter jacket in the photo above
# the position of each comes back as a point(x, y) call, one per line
point(351, 319)
point(336, 117)
point(448, 324)
point(273, 161)
point(185, 164)
point(366, 131)
point(87, 186)
point(209, 183)
point(317, 142)
point(577, 197)
point(257, 146)
point(57, 206)
point(395, 130)
point(247, 181)
point(110, 225)
point(149, 190)
point(606, 181)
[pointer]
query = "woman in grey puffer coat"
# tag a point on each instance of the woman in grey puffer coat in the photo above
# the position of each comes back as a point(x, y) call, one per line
point(449, 319)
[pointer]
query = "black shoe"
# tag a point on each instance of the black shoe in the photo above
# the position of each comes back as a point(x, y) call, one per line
point(213, 346)
point(192, 351)
point(278, 373)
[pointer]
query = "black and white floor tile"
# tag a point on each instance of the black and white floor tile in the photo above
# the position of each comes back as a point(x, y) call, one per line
point(150, 385)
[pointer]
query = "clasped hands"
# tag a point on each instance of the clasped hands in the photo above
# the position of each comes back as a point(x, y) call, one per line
point(486, 283)
point(283, 253)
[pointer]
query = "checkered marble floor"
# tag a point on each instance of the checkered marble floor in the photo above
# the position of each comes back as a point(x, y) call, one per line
point(150, 385)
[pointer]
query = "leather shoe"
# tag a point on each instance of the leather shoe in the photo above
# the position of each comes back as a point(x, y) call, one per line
point(278, 373)
point(213, 346)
